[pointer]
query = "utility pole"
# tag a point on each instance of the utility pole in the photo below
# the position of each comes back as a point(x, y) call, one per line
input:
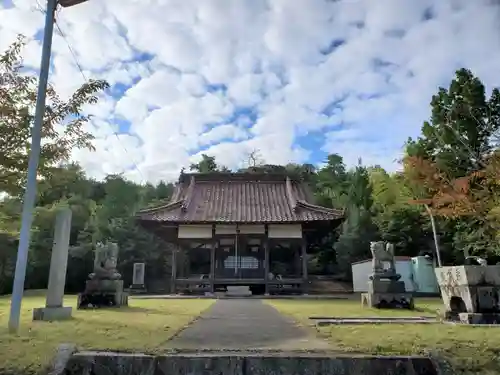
point(434, 233)
point(36, 137)
point(30, 193)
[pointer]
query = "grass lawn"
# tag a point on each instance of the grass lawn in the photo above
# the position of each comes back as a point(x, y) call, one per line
point(471, 350)
point(143, 326)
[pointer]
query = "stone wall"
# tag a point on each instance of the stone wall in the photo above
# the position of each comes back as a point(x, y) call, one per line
point(108, 363)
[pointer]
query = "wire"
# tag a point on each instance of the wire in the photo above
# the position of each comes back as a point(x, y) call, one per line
point(73, 54)
point(79, 66)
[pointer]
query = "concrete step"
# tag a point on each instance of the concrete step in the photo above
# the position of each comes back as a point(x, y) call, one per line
point(238, 291)
point(248, 363)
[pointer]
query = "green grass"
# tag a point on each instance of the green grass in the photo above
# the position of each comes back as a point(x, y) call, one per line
point(143, 326)
point(471, 350)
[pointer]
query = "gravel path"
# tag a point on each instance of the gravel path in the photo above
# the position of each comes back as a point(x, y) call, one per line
point(245, 324)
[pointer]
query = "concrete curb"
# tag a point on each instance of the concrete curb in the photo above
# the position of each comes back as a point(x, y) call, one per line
point(324, 323)
point(311, 297)
point(248, 363)
point(63, 354)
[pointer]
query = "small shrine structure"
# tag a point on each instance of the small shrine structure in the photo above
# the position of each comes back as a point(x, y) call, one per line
point(239, 229)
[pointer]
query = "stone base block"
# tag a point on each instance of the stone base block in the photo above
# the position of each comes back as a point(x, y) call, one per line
point(388, 300)
point(106, 299)
point(103, 286)
point(52, 313)
point(479, 318)
point(386, 286)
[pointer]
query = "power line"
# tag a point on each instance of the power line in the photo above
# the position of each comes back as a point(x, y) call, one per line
point(79, 66)
point(73, 54)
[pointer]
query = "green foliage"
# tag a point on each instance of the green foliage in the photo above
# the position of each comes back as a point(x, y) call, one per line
point(358, 229)
point(101, 211)
point(205, 165)
point(63, 123)
point(463, 120)
point(377, 203)
point(457, 143)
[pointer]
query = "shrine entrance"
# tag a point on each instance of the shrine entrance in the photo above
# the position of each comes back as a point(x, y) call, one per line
point(240, 258)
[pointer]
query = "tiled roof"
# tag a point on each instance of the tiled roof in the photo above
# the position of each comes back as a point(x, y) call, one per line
point(239, 198)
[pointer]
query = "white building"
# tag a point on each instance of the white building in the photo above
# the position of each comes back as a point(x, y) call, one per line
point(417, 273)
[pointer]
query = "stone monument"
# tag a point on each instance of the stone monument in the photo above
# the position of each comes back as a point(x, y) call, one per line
point(54, 309)
point(470, 293)
point(105, 286)
point(385, 289)
point(138, 278)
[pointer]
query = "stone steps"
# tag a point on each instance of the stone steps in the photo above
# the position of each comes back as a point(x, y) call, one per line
point(238, 291)
point(248, 363)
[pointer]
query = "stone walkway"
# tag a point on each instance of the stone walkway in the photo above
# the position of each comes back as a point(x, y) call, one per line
point(245, 324)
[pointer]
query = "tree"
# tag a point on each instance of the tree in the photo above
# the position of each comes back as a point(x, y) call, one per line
point(9, 233)
point(332, 184)
point(163, 190)
point(457, 137)
point(444, 161)
point(398, 221)
point(205, 165)
point(472, 201)
point(62, 128)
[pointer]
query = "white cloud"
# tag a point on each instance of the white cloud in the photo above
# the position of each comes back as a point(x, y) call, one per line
point(361, 73)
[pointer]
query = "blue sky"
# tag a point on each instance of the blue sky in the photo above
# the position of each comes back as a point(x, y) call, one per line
point(293, 80)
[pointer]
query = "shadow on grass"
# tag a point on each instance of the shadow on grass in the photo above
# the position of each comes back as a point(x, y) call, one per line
point(139, 309)
point(427, 310)
point(128, 309)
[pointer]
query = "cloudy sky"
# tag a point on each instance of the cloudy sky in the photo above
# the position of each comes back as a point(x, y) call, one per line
point(293, 79)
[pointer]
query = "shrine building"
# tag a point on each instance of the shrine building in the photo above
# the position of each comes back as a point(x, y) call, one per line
point(247, 229)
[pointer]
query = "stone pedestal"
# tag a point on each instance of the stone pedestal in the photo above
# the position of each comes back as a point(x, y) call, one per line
point(470, 293)
point(54, 309)
point(387, 294)
point(386, 286)
point(479, 318)
point(388, 300)
point(52, 313)
point(103, 293)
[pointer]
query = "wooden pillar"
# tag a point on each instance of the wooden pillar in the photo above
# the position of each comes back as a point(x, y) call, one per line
point(297, 268)
point(173, 288)
point(304, 266)
point(266, 263)
point(212, 261)
point(187, 263)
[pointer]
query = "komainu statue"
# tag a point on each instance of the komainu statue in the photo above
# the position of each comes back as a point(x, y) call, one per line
point(385, 289)
point(105, 262)
point(104, 287)
point(380, 256)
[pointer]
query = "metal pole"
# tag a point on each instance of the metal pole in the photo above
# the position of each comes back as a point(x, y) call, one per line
point(434, 233)
point(29, 195)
